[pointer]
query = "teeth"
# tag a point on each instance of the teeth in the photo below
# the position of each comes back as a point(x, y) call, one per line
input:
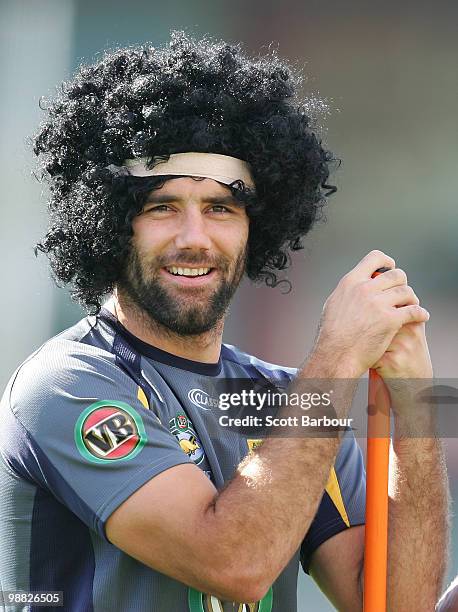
point(188, 271)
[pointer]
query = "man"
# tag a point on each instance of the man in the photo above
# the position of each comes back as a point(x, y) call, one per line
point(172, 173)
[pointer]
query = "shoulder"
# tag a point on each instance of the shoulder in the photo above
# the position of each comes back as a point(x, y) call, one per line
point(62, 370)
point(273, 371)
point(61, 360)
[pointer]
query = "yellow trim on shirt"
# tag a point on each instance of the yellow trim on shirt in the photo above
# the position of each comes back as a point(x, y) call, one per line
point(333, 490)
point(253, 444)
point(142, 397)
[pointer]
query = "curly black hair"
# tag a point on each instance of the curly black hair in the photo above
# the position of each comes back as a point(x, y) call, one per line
point(190, 95)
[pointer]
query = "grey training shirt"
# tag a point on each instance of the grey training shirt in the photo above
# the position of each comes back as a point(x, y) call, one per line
point(88, 419)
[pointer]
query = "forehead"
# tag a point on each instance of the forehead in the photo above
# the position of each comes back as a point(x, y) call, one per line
point(186, 186)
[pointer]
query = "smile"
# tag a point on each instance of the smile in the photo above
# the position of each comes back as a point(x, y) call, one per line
point(189, 277)
point(176, 271)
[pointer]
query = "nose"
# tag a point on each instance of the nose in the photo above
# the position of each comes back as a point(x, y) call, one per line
point(192, 232)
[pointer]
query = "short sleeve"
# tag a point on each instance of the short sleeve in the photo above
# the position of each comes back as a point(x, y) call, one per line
point(344, 500)
point(76, 426)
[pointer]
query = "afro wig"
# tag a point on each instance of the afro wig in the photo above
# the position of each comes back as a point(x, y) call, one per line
point(191, 95)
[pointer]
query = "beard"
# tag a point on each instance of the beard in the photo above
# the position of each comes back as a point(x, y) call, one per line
point(183, 315)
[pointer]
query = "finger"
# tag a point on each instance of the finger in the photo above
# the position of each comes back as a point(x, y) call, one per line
point(402, 295)
point(412, 314)
point(372, 262)
point(387, 280)
point(410, 332)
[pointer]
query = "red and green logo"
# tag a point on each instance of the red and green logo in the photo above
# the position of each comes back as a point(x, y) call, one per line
point(182, 421)
point(109, 431)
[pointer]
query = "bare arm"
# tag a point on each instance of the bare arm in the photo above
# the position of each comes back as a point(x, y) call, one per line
point(418, 524)
point(336, 567)
point(419, 495)
point(417, 539)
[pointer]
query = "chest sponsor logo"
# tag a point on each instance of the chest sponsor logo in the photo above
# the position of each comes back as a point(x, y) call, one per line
point(182, 429)
point(109, 431)
point(202, 400)
point(201, 602)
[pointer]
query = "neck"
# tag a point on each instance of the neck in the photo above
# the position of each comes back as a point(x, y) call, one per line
point(205, 347)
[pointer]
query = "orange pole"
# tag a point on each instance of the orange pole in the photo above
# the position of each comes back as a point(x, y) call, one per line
point(377, 461)
point(377, 464)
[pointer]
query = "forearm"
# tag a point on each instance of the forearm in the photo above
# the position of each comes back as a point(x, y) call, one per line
point(267, 508)
point(418, 524)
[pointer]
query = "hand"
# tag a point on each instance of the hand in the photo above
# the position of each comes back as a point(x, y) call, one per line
point(407, 356)
point(363, 315)
point(407, 370)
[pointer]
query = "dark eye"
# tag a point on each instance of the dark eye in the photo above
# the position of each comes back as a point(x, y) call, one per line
point(219, 208)
point(157, 208)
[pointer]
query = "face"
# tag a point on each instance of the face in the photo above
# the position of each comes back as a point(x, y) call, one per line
point(188, 254)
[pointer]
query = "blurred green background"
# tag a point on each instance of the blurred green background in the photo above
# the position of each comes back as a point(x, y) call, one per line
point(389, 73)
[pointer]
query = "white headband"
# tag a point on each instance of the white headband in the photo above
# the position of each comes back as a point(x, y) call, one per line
point(221, 168)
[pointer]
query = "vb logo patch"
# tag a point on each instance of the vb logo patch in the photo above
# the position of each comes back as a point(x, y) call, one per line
point(109, 431)
point(181, 428)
